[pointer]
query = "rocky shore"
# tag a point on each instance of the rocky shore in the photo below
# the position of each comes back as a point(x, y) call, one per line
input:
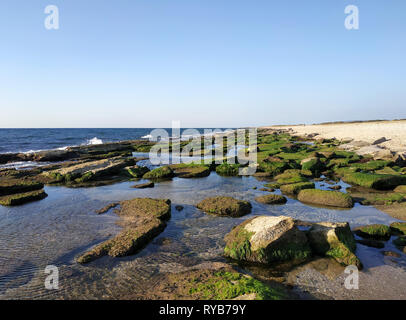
point(304, 168)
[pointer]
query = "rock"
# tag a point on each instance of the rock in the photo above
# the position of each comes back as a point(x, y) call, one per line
point(13, 186)
point(142, 220)
point(372, 243)
point(86, 171)
point(313, 164)
point(400, 159)
point(179, 208)
point(144, 185)
point(107, 208)
point(398, 228)
point(22, 198)
point(374, 181)
point(391, 254)
point(137, 171)
point(353, 145)
point(190, 170)
point(376, 152)
point(326, 198)
point(226, 169)
point(225, 206)
point(380, 140)
point(400, 189)
point(266, 239)
point(400, 241)
point(53, 155)
point(271, 199)
point(334, 240)
point(337, 187)
point(295, 188)
point(159, 173)
point(374, 231)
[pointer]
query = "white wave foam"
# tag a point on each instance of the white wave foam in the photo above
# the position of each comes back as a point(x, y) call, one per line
point(95, 140)
point(148, 136)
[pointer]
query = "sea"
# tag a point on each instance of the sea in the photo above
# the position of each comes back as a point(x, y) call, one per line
point(34, 140)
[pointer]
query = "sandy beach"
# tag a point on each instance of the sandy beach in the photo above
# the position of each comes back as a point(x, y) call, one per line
point(394, 131)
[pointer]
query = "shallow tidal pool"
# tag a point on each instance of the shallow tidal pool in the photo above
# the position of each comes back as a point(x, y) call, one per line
point(57, 229)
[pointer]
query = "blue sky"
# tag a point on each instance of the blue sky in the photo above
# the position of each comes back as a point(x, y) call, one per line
point(207, 63)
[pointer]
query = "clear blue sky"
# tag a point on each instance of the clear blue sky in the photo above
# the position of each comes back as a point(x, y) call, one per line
point(207, 63)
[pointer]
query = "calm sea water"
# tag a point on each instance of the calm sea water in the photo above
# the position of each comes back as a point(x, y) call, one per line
point(25, 140)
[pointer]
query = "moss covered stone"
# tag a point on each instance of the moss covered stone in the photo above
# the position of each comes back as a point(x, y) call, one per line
point(291, 180)
point(266, 239)
point(164, 172)
point(21, 198)
point(137, 171)
point(326, 198)
point(295, 188)
point(224, 285)
point(374, 231)
point(398, 228)
point(190, 170)
point(271, 199)
point(334, 240)
point(12, 186)
point(142, 219)
point(227, 169)
point(374, 181)
point(225, 206)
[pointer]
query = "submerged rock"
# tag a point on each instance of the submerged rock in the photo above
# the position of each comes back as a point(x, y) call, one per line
point(271, 199)
point(334, 240)
point(267, 239)
point(144, 185)
point(225, 206)
point(326, 198)
point(372, 243)
point(374, 231)
point(142, 219)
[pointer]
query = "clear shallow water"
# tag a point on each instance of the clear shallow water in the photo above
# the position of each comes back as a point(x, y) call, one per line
point(56, 229)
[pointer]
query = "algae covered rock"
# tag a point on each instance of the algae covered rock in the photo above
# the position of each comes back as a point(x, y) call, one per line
point(13, 186)
point(144, 185)
point(225, 206)
point(326, 198)
point(334, 240)
point(142, 219)
point(295, 188)
point(398, 228)
point(374, 231)
point(271, 199)
point(190, 170)
point(137, 171)
point(266, 239)
point(164, 172)
point(22, 198)
point(226, 169)
point(374, 181)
